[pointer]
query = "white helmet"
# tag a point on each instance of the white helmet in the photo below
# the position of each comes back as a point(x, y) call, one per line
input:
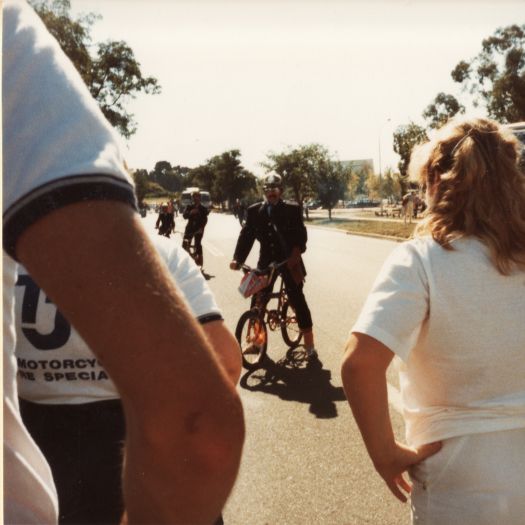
point(273, 180)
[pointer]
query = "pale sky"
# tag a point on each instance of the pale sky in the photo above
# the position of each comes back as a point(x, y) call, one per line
point(262, 75)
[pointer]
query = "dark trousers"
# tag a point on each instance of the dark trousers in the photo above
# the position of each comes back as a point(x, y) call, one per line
point(186, 242)
point(297, 300)
point(295, 296)
point(83, 445)
point(188, 236)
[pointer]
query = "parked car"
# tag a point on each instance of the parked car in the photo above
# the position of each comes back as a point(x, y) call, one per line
point(313, 205)
point(363, 203)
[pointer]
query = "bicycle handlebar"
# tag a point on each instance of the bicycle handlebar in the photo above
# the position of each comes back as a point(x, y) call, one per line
point(261, 271)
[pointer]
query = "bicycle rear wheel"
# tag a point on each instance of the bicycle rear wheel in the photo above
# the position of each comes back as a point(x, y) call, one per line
point(290, 330)
point(252, 336)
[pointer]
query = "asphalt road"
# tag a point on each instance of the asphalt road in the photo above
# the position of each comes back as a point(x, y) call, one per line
point(304, 461)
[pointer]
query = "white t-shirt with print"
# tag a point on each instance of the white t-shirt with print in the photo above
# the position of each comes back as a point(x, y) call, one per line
point(458, 326)
point(57, 149)
point(55, 366)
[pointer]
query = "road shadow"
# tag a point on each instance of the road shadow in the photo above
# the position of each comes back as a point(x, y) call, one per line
point(293, 378)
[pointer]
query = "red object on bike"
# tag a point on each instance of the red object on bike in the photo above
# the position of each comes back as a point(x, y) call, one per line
point(252, 283)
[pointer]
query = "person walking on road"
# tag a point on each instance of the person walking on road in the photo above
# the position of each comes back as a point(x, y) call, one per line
point(450, 304)
point(280, 230)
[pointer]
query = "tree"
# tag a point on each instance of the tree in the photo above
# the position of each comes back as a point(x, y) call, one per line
point(405, 138)
point(112, 74)
point(202, 177)
point(231, 179)
point(298, 168)
point(331, 183)
point(141, 180)
point(171, 178)
point(224, 177)
point(442, 109)
point(496, 76)
point(391, 187)
point(309, 171)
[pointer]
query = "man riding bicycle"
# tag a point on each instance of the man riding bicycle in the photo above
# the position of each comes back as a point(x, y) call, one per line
point(197, 216)
point(280, 230)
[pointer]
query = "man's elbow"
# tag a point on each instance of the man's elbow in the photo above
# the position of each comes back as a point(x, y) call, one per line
point(233, 367)
point(215, 438)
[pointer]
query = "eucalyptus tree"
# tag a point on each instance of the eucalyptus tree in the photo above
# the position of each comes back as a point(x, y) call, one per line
point(109, 69)
point(496, 76)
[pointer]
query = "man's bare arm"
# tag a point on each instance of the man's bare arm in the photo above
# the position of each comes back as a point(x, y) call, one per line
point(184, 418)
point(226, 348)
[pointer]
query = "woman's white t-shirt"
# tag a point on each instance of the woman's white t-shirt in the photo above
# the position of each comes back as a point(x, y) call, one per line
point(458, 326)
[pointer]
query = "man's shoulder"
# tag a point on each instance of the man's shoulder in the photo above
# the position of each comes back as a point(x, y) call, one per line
point(256, 206)
point(291, 204)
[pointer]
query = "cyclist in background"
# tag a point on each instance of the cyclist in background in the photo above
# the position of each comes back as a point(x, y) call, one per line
point(164, 222)
point(197, 216)
point(280, 230)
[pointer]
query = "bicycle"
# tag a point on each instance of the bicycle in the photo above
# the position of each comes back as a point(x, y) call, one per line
point(252, 328)
point(189, 246)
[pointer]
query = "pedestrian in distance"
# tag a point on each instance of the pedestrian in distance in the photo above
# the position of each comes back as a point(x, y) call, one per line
point(449, 304)
point(70, 219)
point(239, 211)
point(408, 207)
point(280, 230)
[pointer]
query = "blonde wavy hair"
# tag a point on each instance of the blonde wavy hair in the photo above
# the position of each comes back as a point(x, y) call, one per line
point(475, 188)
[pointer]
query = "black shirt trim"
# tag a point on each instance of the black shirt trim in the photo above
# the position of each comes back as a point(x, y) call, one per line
point(57, 194)
point(207, 318)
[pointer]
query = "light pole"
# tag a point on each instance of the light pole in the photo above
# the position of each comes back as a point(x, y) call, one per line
point(379, 148)
point(380, 167)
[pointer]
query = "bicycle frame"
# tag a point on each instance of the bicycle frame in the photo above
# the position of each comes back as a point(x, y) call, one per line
point(251, 331)
point(260, 300)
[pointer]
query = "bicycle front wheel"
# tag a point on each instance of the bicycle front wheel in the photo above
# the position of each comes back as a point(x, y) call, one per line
point(252, 336)
point(290, 330)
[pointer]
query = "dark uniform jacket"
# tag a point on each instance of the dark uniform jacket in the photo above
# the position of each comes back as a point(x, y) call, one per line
point(197, 221)
point(286, 218)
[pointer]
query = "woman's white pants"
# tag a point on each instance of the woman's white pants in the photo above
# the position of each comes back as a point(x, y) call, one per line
point(477, 479)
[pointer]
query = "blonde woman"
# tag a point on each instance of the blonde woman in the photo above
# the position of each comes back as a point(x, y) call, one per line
point(451, 305)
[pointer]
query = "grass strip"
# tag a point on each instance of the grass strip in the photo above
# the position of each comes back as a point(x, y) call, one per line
point(389, 228)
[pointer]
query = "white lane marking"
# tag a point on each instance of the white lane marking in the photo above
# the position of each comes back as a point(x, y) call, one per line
point(394, 398)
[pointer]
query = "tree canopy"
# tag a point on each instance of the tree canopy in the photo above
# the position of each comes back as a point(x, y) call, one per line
point(309, 171)
point(405, 138)
point(496, 76)
point(111, 72)
point(224, 177)
point(442, 109)
point(171, 178)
